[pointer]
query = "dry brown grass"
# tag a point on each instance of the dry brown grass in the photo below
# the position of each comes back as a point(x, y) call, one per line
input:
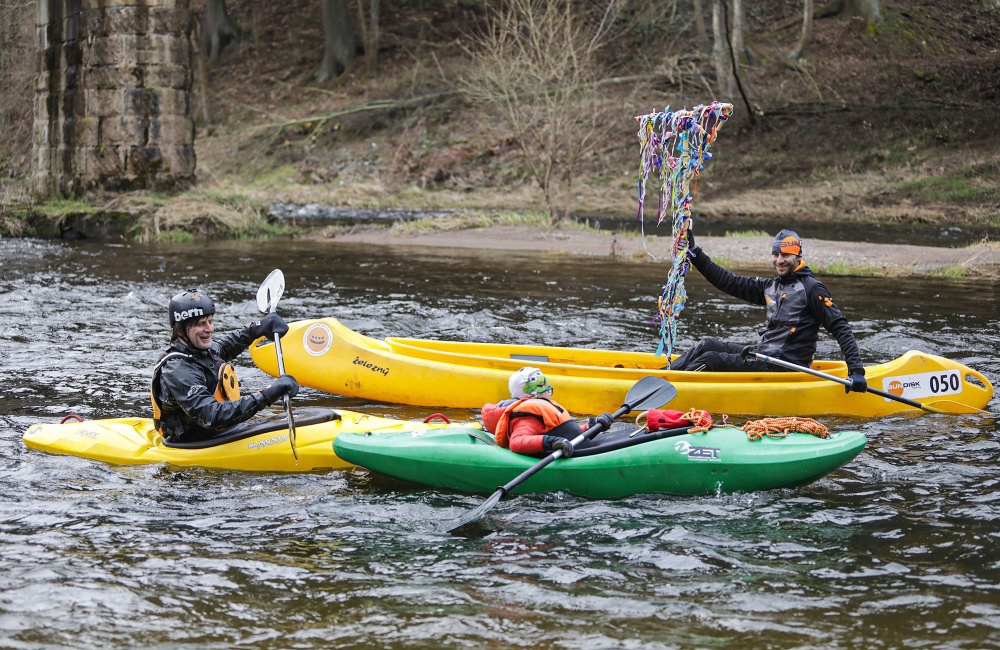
point(198, 214)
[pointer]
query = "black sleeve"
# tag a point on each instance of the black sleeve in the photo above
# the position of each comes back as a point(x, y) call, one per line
point(822, 305)
point(738, 286)
point(233, 344)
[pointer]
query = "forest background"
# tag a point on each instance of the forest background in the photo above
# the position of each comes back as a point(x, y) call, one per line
point(872, 112)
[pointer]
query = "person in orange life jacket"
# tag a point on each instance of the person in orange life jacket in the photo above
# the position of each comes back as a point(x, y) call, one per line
point(194, 389)
point(797, 304)
point(531, 422)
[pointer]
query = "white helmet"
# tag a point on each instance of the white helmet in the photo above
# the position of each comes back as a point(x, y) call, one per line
point(529, 382)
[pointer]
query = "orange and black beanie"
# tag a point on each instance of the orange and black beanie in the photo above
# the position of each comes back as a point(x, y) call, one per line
point(787, 241)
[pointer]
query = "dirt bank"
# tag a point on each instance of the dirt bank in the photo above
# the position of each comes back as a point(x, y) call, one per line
point(749, 253)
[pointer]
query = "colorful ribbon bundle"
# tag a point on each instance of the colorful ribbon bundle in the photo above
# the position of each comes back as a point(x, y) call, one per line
point(675, 145)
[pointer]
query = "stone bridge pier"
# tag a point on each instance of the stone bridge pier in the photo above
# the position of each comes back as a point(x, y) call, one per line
point(113, 96)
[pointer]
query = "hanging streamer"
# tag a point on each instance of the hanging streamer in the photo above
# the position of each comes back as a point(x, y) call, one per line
point(675, 145)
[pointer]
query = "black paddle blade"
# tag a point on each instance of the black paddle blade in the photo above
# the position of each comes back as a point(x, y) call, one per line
point(476, 514)
point(649, 393)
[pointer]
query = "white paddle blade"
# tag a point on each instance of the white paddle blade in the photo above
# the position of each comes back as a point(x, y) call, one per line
point(270, 291)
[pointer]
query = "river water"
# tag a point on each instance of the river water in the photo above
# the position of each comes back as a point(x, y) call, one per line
point(900, 548)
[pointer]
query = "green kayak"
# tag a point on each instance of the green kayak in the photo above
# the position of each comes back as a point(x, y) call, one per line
point(622, 463)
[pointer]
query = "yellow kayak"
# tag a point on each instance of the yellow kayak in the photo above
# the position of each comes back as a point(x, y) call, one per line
point(260, 446)
point(326, 355)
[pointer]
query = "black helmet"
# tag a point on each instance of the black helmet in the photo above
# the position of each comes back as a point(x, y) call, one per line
point(189, 304)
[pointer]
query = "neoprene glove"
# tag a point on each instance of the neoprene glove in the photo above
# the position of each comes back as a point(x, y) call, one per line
point(693, 250)
point(283, 385)
point(269, 326)
point(555, 443)
point(605, 420)
point(858, 384)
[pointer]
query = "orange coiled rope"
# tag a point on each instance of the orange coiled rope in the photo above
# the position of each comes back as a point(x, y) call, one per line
point(701, 421)
point(781, 427)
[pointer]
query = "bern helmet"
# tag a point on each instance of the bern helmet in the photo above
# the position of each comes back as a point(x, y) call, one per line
point(529, 382)
point(189, 304)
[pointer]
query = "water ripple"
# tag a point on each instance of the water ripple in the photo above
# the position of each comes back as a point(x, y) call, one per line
point(896, 549)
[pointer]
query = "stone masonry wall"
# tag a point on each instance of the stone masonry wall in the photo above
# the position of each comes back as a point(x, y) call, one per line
point(112, 100)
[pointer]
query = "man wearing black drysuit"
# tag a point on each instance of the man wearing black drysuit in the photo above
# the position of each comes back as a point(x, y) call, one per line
point(797, 304)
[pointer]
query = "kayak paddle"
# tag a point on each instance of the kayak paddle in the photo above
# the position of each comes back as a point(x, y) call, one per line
point(647, 393)
point(943, 406)
point(267, 302)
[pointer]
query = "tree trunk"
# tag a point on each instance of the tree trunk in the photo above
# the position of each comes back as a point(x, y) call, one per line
point(339, 40)
point(217, 30)
point(724, 74)
point(736, 32)
point(807, 27)
point(868, 10)
point(200, 76)
point(699, 27)
point(370, 34)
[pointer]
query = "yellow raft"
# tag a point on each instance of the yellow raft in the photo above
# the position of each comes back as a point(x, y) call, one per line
point(260, 446)
point(326, 355)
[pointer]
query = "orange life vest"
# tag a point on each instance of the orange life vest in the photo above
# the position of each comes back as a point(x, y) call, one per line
point(550, 413)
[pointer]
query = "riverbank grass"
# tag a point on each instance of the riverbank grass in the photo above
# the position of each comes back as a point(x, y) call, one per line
point(204, 214)
point(470, 219)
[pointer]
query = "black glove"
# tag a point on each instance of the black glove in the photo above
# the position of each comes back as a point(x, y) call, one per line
point(747, 352)
point(857, 385)
point(693, 250)
point(555, 443)
point(269, 326)
point(605, 420)
point(283, 385)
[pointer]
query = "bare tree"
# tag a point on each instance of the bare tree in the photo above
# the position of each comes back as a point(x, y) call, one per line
point(868, 10)
point(722, 53)
point(536, 65)
point(699, 27)
point(736, 20)
point(807, 27)
point(370, 34)
point(727, 31)
point(340, 42)
point(217, 30)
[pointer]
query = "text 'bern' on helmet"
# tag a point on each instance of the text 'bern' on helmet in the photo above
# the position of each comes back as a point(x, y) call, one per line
point(190, 304)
